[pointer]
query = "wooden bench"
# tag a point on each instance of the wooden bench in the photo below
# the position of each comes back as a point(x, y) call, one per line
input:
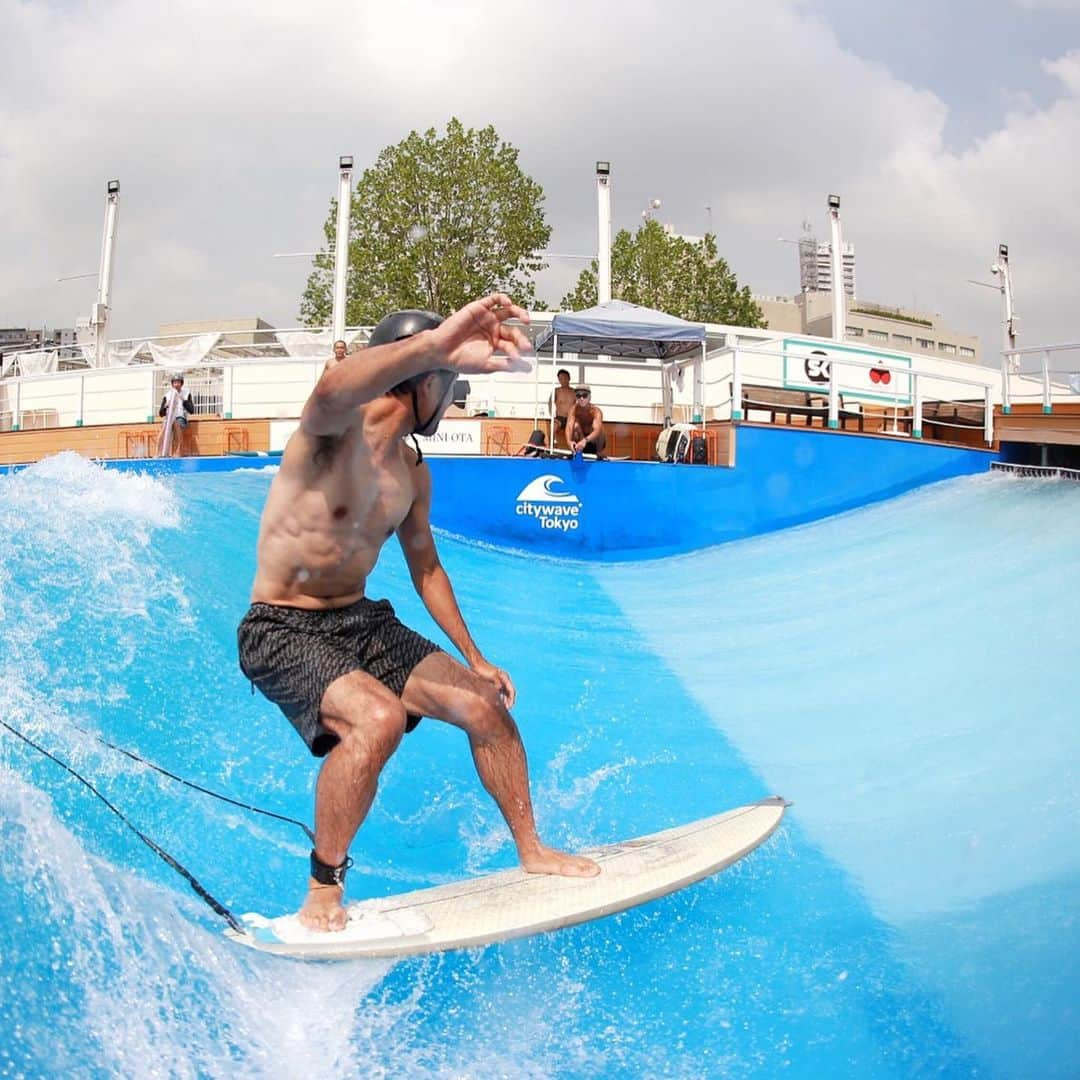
point(777, 401)
point(960, 413)
point(937, 414)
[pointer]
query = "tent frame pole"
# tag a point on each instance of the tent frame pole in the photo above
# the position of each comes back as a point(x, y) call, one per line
point(553, 381)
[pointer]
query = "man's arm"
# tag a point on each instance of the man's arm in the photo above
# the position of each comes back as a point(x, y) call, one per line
point(597, 425)
point(432, 585)
point(474, 340)
point(347, 385)
point(573, 430)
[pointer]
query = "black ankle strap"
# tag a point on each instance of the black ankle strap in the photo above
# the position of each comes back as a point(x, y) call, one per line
point(325, 874)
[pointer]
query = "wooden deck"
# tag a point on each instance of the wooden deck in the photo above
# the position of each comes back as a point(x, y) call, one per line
point(1028, 423)
point(203, 438)
point(212, 437)
point(503, 437)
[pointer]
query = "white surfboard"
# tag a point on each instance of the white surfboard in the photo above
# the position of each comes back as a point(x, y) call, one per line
point(558, 451)
point(512, 903)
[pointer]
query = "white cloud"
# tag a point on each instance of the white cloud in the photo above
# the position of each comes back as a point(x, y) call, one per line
point(1050, 5)
point(224, 130)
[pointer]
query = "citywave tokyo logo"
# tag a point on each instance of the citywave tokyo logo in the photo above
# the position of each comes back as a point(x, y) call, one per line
point(553, 508)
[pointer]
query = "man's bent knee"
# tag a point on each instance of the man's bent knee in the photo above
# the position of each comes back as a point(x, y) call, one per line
point(367, 723)
point(485, 716)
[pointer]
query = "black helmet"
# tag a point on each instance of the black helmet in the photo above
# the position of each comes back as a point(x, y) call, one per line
point(403, 324)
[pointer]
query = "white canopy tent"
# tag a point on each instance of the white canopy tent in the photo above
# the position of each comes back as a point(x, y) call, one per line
point(616, 328)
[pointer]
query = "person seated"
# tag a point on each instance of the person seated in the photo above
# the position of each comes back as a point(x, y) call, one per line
point(585, 425)
point(535, 447)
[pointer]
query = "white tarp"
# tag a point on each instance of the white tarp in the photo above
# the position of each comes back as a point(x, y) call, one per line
point(38, 362)
point(311, 345)
point(186, 354)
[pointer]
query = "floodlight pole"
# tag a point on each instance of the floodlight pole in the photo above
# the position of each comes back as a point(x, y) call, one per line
point(836, 258)
point(603, 223)
point(1001, 267)
point(99, 316)
point(341, 244)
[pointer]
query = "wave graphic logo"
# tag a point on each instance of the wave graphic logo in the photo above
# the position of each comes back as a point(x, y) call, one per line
point(546, 500)
point(543, 489)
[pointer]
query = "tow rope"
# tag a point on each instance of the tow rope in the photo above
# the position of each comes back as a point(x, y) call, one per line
point(216, 905)
point(188, 783)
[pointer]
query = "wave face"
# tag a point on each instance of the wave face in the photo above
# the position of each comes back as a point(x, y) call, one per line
point(901, 673)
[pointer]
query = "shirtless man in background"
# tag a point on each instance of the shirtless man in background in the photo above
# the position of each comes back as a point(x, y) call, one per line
point(349, 676)
point(561, 402)
point(585, 428)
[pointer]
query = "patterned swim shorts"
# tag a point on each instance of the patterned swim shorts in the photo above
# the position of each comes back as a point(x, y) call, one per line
point(292, 655)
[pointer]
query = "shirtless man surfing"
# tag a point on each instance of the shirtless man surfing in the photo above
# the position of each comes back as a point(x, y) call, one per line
point(348, 675)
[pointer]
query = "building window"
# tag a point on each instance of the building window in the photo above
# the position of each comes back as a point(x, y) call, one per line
point(924, 343)
point(877, 335)
point(945, 347)
point(902, 339)
point(965, 351)
point(853, 331)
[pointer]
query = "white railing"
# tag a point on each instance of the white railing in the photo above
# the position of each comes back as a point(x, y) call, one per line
point(1057, 472)
point(243, 378)
point(1035, 372)
point(237, 389)
point(847, 381)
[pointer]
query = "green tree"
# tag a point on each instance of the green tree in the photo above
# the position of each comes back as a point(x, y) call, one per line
point(436, 222)
point(668, 273)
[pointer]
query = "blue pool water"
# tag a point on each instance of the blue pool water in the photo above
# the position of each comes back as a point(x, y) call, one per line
point(905, 674)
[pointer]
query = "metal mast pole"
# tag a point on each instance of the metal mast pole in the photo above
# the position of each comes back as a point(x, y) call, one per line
point(99, 317)
point(341, 244)
point(603, 223)
point(836, 258)
point(1008, 314)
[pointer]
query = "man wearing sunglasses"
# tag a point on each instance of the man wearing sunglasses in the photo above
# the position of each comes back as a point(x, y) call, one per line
point(348, 675)
point(585, 428)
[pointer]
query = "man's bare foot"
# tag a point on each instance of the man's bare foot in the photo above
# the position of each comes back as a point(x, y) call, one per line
point(323, 909)
point(545, 860)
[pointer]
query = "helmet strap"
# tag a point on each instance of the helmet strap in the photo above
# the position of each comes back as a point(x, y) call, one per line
point(419, 426)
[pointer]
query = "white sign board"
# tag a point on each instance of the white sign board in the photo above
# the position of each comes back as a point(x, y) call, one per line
point(876, 375)
point(453, 437)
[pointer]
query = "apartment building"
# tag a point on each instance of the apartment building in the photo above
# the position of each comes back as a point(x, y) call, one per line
point(872, 324)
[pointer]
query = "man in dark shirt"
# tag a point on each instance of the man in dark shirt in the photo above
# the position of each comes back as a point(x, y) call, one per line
point(175, 408)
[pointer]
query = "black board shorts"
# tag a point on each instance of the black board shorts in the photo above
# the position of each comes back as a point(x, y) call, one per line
point(292, 655)
point(596, 447)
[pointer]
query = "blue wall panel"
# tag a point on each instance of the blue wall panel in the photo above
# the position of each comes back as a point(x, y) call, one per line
point(634, 510)
point(637, 510)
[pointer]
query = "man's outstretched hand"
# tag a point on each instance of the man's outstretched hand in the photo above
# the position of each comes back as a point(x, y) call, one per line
point(475, 340)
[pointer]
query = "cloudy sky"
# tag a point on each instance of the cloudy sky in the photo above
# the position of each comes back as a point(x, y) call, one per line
point(946, 126)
